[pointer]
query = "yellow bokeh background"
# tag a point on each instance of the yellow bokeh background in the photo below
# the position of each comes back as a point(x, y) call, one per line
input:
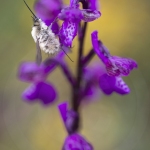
point(112, 122)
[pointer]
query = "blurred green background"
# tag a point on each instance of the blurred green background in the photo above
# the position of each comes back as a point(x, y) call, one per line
point(111, 123)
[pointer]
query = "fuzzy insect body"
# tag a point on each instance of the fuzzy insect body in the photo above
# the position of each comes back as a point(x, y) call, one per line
point(48, 41)
point(43, 36)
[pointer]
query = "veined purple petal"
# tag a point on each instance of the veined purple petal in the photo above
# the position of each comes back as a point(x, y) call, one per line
point(116, 66)
point(42, 91)
point(67, 32)
point(30, 72)
point(76, 142)
point(109, 84)
point(89, 15)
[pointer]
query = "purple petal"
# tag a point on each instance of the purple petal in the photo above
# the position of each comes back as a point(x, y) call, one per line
point(109, 84)
point(89, 15)
point(76, 142)
point(95, 43)
point(42, 91)
point(63, 108)
point(67, 32)
point(30, 72)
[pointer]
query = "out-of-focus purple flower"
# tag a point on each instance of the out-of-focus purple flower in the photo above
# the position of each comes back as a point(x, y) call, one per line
point(69, 117)
point(115, 65)
point(109, 84)
point(39, 89)
point(48, 10)
point(76, 142)
point(71, 16)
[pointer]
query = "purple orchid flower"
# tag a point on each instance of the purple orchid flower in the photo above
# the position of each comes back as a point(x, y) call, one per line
point(108, 84)
point(69, 117)
point(48, 10)
point(115, 65)
point(39, 89)
point(76, 142)
point(71, 16)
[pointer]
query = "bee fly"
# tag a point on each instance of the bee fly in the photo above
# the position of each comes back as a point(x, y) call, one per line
point(48, 41)
point(42, 34)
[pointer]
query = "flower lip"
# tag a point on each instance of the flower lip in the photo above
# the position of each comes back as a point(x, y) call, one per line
point(110, 84)
point(42, 91)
